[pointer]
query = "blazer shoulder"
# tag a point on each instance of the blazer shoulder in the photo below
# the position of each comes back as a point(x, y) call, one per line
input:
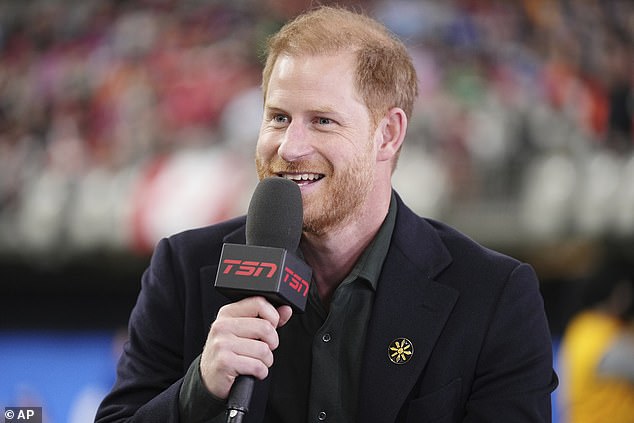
point(440, 247)
point(212, 234)
point(454, 257)
point(463, 246)
point(204, 244)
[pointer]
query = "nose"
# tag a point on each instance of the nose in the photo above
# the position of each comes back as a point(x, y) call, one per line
point(295, 143)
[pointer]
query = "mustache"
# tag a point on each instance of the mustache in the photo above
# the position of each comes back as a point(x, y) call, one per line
point(278, 165)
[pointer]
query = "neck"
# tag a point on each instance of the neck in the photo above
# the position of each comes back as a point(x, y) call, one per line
point(333, 255)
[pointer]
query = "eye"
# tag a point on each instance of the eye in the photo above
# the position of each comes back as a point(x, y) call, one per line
point(323, 121)
point(279, 118)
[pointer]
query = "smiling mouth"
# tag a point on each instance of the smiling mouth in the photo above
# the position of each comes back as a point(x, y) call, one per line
point(302, 178)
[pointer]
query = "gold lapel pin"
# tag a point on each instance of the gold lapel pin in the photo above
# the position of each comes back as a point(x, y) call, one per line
point(400, 351)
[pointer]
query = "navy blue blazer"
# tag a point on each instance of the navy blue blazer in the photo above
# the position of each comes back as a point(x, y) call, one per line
point(475, 319)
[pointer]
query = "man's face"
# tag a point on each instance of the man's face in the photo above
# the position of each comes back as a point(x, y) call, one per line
point(317, 130)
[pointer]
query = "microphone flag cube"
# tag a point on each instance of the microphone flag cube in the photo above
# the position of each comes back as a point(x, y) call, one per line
point(276, 274)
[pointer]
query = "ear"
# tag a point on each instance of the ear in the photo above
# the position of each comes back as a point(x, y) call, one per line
point(391, 133)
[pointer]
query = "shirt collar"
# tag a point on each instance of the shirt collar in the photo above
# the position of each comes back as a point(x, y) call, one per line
point(369, 265)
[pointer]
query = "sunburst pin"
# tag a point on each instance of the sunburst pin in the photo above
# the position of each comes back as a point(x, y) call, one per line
point(400, 351)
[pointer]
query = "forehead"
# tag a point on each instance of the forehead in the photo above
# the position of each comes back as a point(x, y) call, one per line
point(306, 77)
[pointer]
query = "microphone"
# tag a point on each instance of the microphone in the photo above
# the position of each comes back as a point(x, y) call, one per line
point(266, 265)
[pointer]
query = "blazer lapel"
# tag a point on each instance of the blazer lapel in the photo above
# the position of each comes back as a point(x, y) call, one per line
point(408, 304)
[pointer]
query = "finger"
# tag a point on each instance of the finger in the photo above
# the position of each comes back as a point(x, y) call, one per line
point(250, 367)
point(254, 349)
point(220, 367)
point(225, 352)
point(228, 354)
point(245, 327)
point(252, 307)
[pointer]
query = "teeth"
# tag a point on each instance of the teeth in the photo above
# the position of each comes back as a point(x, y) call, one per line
point(302, 177)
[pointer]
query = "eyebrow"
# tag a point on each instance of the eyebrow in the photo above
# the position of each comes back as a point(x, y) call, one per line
point(326, 110)
point(320, 110)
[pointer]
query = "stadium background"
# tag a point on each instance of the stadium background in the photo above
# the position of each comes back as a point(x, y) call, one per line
point(125, 121)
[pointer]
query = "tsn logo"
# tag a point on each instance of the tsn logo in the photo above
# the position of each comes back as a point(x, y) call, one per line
point(256, 269)
point(296, 282)
point(249, 268)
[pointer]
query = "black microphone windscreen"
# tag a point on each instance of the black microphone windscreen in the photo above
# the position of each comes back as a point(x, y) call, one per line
point(275, 216)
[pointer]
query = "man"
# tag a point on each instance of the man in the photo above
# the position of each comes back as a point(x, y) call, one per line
point(407, 320)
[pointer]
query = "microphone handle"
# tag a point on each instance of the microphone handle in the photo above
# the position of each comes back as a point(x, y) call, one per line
point(239, 398)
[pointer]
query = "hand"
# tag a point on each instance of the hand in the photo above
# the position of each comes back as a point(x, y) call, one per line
point(241, 341)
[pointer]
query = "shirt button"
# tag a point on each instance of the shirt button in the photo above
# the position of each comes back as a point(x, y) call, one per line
point(321, 416)
point(326, 338)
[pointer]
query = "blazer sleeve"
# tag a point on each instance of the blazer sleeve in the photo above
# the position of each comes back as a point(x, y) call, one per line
point(151, 368)
point(514, 375)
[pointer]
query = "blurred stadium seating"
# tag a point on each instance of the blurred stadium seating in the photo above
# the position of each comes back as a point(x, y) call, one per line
point(125, 121)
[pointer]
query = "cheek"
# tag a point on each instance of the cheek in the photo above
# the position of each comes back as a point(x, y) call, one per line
point(265, 147)
point(265, 155)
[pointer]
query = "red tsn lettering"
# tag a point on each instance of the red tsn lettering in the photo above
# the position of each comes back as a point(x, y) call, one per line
point(272, 268)
point(249, 268)
point(296, 282)
point(230, 264)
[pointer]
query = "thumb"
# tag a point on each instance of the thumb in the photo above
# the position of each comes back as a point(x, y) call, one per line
point(285, 313)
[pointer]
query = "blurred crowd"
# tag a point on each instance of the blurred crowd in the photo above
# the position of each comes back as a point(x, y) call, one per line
point(125, 121)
